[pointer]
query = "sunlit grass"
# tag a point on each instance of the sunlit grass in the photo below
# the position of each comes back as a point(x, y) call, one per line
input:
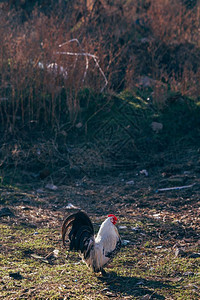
point(135, 271)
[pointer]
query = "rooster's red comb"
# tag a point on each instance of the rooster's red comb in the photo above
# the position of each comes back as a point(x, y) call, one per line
point(115, 218)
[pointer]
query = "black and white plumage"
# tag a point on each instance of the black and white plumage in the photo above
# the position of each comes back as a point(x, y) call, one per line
point(97, 251)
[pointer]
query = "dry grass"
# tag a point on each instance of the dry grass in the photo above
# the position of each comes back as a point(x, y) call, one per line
point(116, 33)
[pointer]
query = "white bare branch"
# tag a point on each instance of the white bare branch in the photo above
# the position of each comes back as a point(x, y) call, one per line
point(87, 56)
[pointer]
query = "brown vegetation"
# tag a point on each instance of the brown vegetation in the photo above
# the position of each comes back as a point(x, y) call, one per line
point(158, 39)
point(56, 59)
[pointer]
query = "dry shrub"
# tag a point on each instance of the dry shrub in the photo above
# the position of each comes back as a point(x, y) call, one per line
point(173, 23)
point(173, 48)
point(38, 82)
point(130, 39)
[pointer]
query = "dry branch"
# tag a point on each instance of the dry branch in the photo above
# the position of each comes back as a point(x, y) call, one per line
point(87, 55)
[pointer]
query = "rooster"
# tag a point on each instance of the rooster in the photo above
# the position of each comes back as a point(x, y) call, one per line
point(97, 251)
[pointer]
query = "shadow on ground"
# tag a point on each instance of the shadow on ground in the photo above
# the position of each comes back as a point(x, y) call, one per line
point(132, 286)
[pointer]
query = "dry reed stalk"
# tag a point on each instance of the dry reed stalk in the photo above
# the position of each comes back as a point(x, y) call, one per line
point(110, 36)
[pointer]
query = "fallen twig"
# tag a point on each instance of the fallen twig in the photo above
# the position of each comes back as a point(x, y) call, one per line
point(41, 258)
point(176, 188)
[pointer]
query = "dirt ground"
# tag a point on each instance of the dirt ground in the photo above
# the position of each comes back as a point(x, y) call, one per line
point(160, 231)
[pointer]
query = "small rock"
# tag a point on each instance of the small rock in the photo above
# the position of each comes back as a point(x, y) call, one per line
point(110, 294)
point(186, 172)
point(71, 206)
point(34, 175)
point(140, 283)
point(51, 187)
point(157, 216)
point(146, 81)
point(131, 182)
point(56, 252)
point(144, 172)
point(158, 247)
point(40, 191)
point(135, 228)
point(188, 273)
point(176, 279)
point(156, 127)
point(125, 242)
point(79, 125)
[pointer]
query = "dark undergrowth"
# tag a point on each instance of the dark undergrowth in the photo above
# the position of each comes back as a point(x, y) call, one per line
point(113, 133)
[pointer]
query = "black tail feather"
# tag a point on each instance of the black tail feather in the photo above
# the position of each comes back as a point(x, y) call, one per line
point(82, 231)
point(83, 234)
